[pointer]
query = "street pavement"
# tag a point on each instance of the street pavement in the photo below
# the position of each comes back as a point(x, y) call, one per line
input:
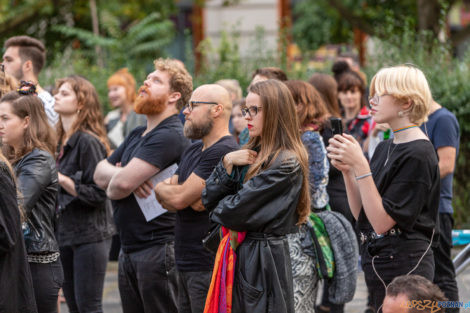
point(112, 302)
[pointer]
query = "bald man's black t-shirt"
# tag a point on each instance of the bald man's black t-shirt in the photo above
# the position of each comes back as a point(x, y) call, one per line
point(191, 226)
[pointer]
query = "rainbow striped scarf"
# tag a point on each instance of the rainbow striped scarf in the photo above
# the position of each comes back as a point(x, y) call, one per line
point(219, 297)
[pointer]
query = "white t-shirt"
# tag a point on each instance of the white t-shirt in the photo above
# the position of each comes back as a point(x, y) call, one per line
point(48, 102)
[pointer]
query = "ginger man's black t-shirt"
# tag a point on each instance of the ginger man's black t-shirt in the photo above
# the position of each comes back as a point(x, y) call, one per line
point(161, 147)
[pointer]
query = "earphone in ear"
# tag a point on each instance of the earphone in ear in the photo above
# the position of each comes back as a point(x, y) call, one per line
point(402, 113)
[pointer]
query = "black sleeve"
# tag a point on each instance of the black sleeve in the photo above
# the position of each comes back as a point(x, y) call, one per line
point(162, 149)
point(211, 159)
point(91, 153)
point(408, 192)
point(218, 185)
point(116, 156)
point(260, 201)
point(33, 177)
point(9, 213)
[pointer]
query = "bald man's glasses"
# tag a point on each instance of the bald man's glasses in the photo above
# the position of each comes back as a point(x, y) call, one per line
point(192, 104)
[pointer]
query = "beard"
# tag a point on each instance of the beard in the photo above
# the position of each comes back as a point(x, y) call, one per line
point(195, 131)
point(148, 105)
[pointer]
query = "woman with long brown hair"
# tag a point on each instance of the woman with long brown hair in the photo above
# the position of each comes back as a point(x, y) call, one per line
point(85, 222)
point(267, 203)
point(29, 144)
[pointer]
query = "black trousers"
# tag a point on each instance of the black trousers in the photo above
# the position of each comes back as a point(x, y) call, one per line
point(148, 280)
point(192, 291)
point(393, 256)
point(444, 274)
point(84, 271)
point(47, 280)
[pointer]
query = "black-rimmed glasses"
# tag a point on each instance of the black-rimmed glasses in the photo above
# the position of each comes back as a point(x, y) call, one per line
point(192, 104)
point(252, 111)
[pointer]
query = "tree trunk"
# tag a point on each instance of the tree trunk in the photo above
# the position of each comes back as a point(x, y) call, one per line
point(96, 31)
point(428, 15)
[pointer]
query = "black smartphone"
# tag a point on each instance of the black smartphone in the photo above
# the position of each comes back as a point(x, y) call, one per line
point(336, 125)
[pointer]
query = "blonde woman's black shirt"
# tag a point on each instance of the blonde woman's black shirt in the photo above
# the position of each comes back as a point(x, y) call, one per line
point(409, 185)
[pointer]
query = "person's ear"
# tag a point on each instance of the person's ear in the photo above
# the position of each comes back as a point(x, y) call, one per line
point(406, 105)
point(26, 121)
point(174, 97)
point(28, 66)
point(218, 110)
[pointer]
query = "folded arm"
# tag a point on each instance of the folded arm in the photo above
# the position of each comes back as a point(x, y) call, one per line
point(129, 178)
point(177, 197)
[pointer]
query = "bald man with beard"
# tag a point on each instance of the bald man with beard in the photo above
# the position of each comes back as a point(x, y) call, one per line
point(207, 116)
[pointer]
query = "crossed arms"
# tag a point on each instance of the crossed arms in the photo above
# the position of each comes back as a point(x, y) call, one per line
point(120, 182)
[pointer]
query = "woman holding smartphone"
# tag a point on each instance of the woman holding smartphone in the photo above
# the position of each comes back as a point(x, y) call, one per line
point(395, 198)
point(271, 200)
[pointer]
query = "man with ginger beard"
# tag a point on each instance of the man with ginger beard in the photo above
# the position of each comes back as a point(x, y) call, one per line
point(147, 275)
point(207, 116)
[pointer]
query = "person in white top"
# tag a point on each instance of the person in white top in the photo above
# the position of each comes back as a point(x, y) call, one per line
point(24, 59)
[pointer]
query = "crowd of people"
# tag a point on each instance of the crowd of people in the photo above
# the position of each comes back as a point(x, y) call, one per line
point(212, 202)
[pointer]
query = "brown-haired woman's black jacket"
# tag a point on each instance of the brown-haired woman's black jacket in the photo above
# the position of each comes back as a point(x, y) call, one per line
point(265, 207)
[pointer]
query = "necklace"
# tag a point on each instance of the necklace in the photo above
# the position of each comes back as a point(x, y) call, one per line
point(404, 128)
point(388, 152)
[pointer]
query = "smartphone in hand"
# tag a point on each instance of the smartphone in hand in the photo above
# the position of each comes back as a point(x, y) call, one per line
point(336, 125)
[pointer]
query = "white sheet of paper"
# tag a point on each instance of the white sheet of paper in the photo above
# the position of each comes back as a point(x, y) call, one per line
point(150, 206)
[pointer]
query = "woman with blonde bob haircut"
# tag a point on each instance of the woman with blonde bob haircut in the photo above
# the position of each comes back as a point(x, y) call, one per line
point(266, 203)
point(395, 199)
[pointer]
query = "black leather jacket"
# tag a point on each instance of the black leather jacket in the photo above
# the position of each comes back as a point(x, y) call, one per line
point(38, 183)
point(265, 207)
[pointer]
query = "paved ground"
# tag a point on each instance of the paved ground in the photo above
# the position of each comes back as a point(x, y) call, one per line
point(112, 302)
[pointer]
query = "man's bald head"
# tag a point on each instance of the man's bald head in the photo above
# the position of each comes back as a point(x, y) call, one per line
point(214, 93)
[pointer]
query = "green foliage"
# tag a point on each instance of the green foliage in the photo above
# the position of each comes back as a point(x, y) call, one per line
point(73, 62)
point(317, 23)
point(223, 61)
point(138, 44)
point(448, 78)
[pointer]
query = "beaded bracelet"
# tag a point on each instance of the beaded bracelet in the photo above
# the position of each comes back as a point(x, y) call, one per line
point(363, 176)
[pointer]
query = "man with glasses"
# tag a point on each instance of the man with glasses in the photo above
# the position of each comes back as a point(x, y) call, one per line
point(207, 115)
point(147, 275)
